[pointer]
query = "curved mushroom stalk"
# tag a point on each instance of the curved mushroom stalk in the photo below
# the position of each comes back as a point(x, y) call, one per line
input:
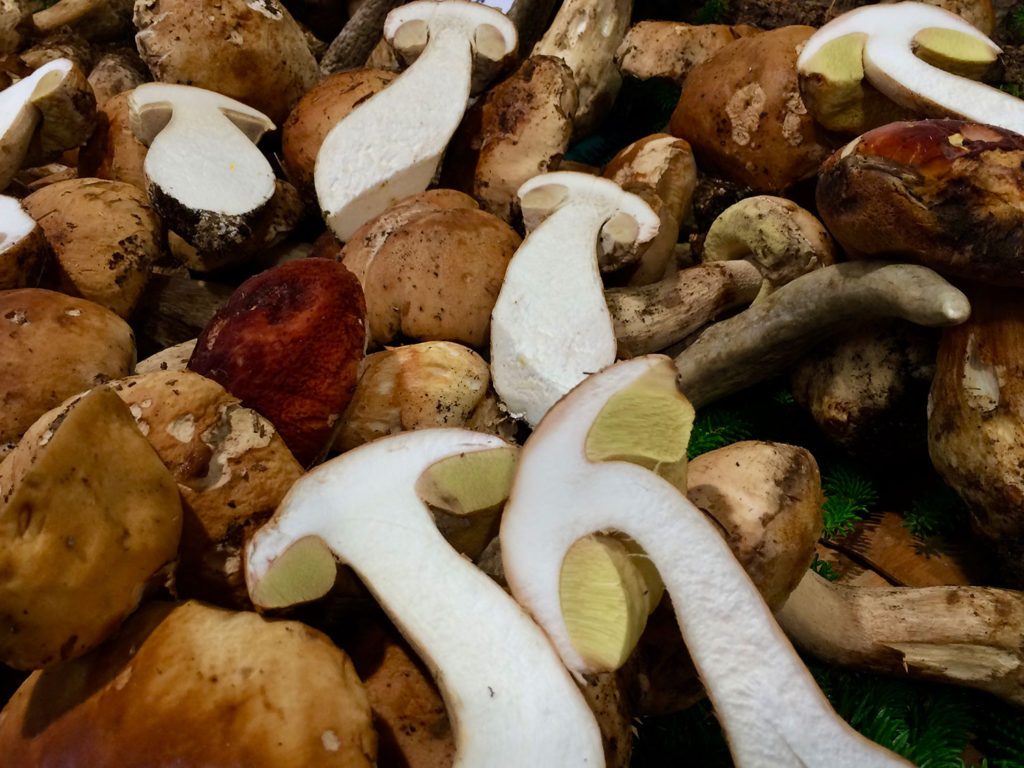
point(206, 177)
point(550, 326)
point(511, 701)
point(767, 701)
point(774, 333)
point(54, 104)
point(887, 35)
point(390, 147)
point(972, 636)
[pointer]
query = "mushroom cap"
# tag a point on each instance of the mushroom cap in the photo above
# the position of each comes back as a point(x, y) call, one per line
point(742, 112)
point(87, 517)
point(196, 686)
point(55, 346)
point(945, 193)
point(288, 343)
point(23, 247)
point(112, 151)
point(253, 52)
point(431, 269)
point(231, 466)
point(105, 235)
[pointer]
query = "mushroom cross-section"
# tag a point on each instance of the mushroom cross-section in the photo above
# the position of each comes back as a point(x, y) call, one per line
point(511, 701)
point(390, 147)
point(767, 702)
point(551, 326)
point(888, 33)
point(206, 177)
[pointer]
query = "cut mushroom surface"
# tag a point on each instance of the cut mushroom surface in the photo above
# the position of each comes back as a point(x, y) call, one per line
point(769, 705)
point(390, 147)
point(511, 701)
point(551, 326)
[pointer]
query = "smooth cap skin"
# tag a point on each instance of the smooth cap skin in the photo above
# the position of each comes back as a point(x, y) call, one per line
point(206, 176)
point(389, 148)
point(510, 700)
point(551, 326)
point(892, 67)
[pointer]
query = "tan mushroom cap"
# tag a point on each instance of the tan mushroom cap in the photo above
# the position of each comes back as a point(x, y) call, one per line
point(105, 235)
point(54, 346)
point(88, 515)
point(435, 273)
point(112, 151)
point(194, 685)
point(231, 466)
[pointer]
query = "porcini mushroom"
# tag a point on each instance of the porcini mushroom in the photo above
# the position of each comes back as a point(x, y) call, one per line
point(22, 246)
point(566, 487)
point(878, 42)
point(551, 326)
point(507, 693)
point(390, 147)
point(205, 176)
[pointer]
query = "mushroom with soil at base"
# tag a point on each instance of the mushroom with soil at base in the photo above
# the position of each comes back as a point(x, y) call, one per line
point(510, 700)
point(578, 474)
point(390, 147)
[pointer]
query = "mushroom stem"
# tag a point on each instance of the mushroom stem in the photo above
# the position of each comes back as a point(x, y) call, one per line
point(652, 317)
point(772, 334)
point(972, 636)
point(357, 38)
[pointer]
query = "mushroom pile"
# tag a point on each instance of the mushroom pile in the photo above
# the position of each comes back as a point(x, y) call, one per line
point(358, 358)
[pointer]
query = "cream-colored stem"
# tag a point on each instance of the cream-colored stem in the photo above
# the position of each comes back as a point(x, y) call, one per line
point(652, 317)
point(971, 636)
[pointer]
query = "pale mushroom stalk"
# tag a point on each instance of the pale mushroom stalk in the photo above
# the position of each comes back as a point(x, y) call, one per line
point(390, 147)
point(511, 701)
point(205, 175)
point(769, 705)
point(773, 333)
point(889, 32)
point(971, 636)
point(550, 326)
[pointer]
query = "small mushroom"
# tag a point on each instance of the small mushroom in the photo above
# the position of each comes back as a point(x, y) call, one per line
point(105, 236)
point(670, 49)
point(51, 110)
point(769, 706)
point(55, 346)
point(431, 268)
point(90, 515)
point(506, 692)
point(204, 174)
point(951, 634)
point(773, 333)
point(252, 52)
point(878, 43)
point(551, 326)
point(115, 72)
point(15, 25)
point(288, 343)
point(23, 247)
point(391, 146)
point(112, 151)
point(196, 685)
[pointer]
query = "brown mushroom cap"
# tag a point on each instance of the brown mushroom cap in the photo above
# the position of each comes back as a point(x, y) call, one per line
point(196, 686)
point(231, 466)
point(319, 110)
point(253, 52)
point(55, 346)
point(112, 151)
point(743, 114)
point(430, 272)
point(87, 517)
point(105, 235)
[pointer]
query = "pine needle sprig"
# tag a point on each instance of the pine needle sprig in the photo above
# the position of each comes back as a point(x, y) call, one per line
point(849, 495)
point(716, 427)
point(823, 568)
point(938, 511)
